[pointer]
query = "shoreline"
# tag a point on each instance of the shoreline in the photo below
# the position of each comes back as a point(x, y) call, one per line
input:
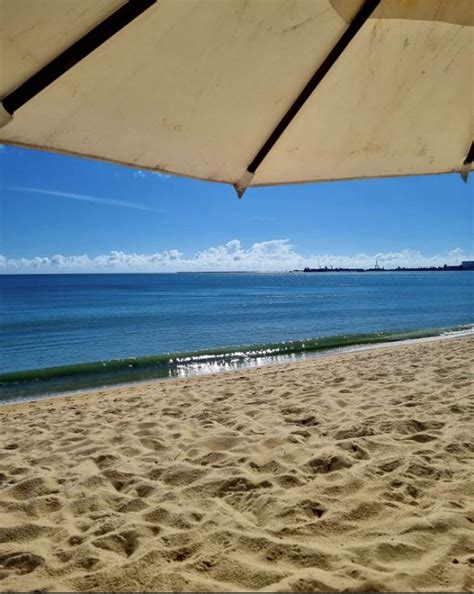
point(194, 365)
point(304, 358)
point(351, 472)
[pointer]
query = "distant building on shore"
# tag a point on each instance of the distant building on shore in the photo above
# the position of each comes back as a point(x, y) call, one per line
point(465, 265)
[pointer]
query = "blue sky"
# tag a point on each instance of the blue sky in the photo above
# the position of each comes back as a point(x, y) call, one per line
point(62, 213)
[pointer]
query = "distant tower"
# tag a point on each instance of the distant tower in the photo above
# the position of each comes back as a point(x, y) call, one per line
point(377, 267)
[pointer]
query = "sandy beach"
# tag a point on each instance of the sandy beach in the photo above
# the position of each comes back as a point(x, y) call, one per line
point(348, 473)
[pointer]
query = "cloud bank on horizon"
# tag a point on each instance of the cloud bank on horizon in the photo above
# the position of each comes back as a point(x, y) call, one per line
point(277, 255)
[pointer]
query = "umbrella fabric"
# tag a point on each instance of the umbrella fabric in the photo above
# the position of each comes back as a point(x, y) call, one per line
point(197, 87)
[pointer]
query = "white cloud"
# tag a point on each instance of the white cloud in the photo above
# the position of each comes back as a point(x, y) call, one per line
point(142, 173)
point(265, 256)
point(84, 198)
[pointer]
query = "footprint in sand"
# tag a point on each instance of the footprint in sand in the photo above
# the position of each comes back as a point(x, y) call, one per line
point(20, 562)
point(355, 450)
point(326, 464)
point(304, 421)
point(123, 543)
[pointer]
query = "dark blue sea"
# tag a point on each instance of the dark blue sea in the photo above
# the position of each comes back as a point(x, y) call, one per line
point(124, 327)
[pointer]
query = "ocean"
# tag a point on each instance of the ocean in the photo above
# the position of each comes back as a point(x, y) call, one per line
point(67, 332)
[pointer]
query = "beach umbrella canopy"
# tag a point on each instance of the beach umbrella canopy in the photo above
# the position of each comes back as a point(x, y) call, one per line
point(247, 92)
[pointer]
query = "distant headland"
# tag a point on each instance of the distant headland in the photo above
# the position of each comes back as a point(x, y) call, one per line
point(466, 265)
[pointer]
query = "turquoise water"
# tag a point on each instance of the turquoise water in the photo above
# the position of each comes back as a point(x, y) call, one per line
point(63, 332)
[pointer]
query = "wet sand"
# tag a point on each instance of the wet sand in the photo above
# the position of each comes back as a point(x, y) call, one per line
point(352, 472)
